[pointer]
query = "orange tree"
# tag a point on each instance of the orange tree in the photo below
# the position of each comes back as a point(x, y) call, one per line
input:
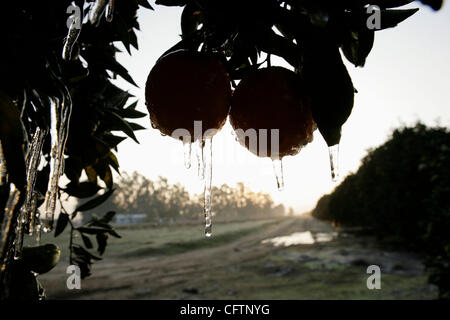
point(58, 106)
point(400, 195)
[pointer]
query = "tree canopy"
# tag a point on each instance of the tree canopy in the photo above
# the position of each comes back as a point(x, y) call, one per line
point(161, 200)
point(400, 194)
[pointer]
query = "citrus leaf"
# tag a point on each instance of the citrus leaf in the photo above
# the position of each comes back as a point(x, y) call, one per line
point(87, 242)
point(118, 123)
point(391, 18)
point(114, 233)
point(435, 4)
point(113, 162)
point(330, 89)
point(73, 168)
point(172, 3)
point(112, 140)
point(108, 217)
point(95, 202)
point(63, 220)
point(102, 242)
point(145, 4)
point(136, 126)
point(92, 230)
point(131, 113)
point(107, 177)
point(82, 252)
point(91, 175)
point(82, 189)
point(389, 3)
point(357, 45)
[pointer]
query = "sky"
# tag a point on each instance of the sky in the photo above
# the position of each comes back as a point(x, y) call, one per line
point(406, 78)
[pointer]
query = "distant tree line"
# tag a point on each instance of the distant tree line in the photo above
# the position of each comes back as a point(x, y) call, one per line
point(401, 192)
point(159, 199)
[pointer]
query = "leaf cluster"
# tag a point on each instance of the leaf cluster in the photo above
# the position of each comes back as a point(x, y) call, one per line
point(242, 30)
point(34, 72)
point(34, 75)
point(308, 34)
point(98, 228)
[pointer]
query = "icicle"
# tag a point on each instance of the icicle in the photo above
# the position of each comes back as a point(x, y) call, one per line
point(71, 38)
point(96, 11)
point(11, 203)
point(34, 216)
point(32, 160)
point(48, 226)
point(18, 244)
point(59, 127)
point(38, 227)
point(334, 161)
point(187, 146)
point(207, 191)
point(278, 170)
point(3, 171)
point(200, 162)
point(3, 178)
point(109, 11)
point(27, 212)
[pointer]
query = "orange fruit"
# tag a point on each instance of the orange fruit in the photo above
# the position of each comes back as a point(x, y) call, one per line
point(184, 87)
point(273, 98)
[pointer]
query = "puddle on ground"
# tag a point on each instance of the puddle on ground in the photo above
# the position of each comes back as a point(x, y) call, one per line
point(301, 238)
point(325, 236)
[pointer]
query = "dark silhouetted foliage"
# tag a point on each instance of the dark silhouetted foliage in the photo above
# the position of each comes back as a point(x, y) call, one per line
point(401, 193)
point(34, 74)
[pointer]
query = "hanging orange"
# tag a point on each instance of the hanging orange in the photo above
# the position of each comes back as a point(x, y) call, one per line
point(273, 98)
point(184, 87)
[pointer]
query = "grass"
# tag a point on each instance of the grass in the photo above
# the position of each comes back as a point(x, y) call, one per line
point(184, 246)
point(256, 280)
point(137, 241)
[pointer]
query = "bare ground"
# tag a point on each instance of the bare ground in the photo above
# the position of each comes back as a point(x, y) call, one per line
point(246, 268)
